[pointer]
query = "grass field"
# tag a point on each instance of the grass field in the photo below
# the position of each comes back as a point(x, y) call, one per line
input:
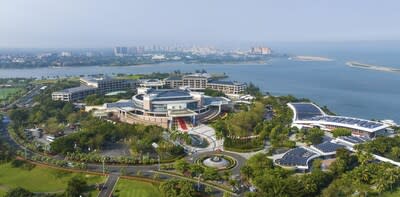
point(132, 188)
point(2, 192)
point(395, 193)
point(40, 179)
point(133, 77)
point(5, 92)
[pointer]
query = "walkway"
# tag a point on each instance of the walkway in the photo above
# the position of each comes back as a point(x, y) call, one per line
point(207, 133)
point(182, 124)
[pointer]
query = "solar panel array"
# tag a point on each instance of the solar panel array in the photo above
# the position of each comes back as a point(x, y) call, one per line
point(354, 139)
point(327, 147)
point(295, 157)
point(347, 120)
point(306, 111)
point(120, 104)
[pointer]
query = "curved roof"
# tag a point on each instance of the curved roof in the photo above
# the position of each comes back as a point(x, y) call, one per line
point(311, 114)
point(169, 93)
point(304, 111)
point(297, 157)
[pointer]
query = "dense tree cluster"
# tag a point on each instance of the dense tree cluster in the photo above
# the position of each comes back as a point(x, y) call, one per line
point(96, 99)
point(177, 188)
point(214, 93)
point(365, 180)
point(95, 133)
point(278, 182)
point(250, 122)
point(77, 186)
point(310, 136)
point(19, 192)
point(6, 153)
point(384, 146)
point(341, 132)
point(349, 175)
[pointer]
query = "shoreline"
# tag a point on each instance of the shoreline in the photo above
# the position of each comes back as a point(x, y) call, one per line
point(260, 62)
point(355, 64)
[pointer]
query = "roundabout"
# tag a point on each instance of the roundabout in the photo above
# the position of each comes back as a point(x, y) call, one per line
point(217, 161)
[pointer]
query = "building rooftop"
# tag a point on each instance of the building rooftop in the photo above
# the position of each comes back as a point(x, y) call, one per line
point(174, 78)
point(225, 82)
point(354, 139)
point(348, 121)
point(198, 75)
point(76, 89)
point(328, 147)
point(304, 111)
point(309, 113)
point(96, 79)
point(169, 93)
point(296, 157)
point(120, 104)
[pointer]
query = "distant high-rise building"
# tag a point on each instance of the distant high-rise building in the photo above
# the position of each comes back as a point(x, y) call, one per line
point(120, 51)
point(261, 50)
point(65, 54)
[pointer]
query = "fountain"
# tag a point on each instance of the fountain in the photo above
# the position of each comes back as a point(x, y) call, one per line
point(219, 162)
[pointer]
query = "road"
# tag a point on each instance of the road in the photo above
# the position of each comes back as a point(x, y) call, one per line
point(146, 171)
point(108, 187)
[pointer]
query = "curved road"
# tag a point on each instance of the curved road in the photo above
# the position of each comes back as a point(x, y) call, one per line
point(115, 170)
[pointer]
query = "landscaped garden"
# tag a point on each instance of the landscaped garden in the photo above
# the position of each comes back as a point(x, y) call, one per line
point(6, 92)
point(134, 188)
point(40, 179)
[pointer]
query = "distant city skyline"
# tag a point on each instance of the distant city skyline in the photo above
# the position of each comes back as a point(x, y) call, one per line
point(93, 24)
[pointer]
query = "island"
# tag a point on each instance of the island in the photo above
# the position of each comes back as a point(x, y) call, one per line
point(310, 58)
point(372, 67)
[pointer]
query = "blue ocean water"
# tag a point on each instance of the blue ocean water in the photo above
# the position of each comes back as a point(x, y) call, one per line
point(345, 90)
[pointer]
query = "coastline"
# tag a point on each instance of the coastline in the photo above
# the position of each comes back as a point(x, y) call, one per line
point(355, 64)
point(258, 62)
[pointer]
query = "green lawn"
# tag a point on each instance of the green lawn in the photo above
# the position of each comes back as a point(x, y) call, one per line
point(4, 92)
point(132, 188)
point(40, 179)
point(2, 192)
point(395, 193)
point(132, 77)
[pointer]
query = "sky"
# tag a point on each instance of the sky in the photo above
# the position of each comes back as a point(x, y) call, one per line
point(105, 23)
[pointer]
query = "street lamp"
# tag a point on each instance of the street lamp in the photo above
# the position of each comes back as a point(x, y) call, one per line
point(104, 159)
point(158, 158)
point(198, 182)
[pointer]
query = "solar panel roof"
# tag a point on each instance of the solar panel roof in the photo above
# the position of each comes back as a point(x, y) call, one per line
point(306, 111)
point(354, 139)
point(327, 147)
point(295, 157)
point(348, 121)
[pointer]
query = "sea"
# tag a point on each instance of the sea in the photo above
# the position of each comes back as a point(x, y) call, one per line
point(345, 90)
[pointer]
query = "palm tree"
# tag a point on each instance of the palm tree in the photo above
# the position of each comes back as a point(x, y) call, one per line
point(381, 184)
point(392, 176)
point(246, 171)
point(364, 157)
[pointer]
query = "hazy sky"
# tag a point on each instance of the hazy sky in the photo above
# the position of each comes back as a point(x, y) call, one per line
point(101, 23)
